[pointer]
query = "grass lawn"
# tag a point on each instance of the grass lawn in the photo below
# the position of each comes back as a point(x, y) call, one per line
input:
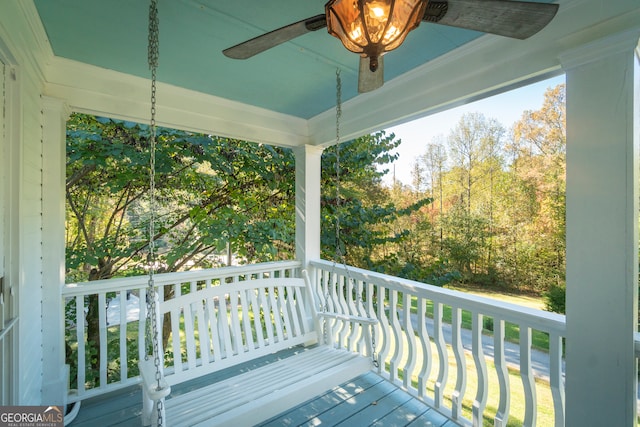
point(525, 300)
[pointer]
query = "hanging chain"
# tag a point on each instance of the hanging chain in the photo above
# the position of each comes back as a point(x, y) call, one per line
point(153, 50)
point(339, 253)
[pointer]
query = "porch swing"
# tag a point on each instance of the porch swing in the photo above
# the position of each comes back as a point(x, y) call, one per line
point(239, 324)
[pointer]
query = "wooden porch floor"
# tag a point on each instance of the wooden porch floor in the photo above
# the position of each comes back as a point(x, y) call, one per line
point(367, 400)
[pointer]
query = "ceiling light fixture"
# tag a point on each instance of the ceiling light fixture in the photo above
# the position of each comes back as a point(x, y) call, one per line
point(372, 28)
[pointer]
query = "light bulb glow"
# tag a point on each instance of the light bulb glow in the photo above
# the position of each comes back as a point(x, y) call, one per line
point(373, 27)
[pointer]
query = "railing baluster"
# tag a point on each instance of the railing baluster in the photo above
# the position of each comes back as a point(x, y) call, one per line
point(556, 378)
point(80, 325)
point(354, 332)
point(443, 355)
point(385, 346)
point(502, 414)
point(371, 312)
point(357, 302)
point(102, 340)
point(123, 337)
point(334, 306)
point(410, 365)
point(480, 401)
point(423, 333)
point(526, 373)
point(345, 327)
point(142, 324)
point(461, 365)
point(394, 364)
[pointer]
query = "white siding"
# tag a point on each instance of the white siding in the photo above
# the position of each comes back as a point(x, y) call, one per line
point(23, 195)
point(30, 301)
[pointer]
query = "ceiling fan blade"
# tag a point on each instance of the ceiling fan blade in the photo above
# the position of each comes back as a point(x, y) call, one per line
point(370, 80)
point(515, 19)
point(273, 38)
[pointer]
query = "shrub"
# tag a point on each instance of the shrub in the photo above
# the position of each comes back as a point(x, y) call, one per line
point(555, 299)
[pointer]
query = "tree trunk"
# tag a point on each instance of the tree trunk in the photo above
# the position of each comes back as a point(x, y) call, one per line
point(93, 327)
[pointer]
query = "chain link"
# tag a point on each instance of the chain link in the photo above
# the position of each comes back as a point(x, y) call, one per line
point(153, 53)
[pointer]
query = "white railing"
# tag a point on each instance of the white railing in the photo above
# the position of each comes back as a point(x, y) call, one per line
point(450, 348)
point(110, 362)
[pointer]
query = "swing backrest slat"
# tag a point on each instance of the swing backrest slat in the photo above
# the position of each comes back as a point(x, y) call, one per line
point(224, 325)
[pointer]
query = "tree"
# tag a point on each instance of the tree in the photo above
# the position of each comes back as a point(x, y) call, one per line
point(540, 162)
point(475, 141)
point(501, 200)
point(364, 209)
point(212, 192)
point(434, 160)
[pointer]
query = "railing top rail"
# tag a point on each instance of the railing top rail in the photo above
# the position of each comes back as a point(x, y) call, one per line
point(537, 319)
point(111, 285)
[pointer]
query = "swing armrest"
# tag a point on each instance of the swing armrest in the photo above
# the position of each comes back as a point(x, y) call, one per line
point(349, 318)
point(149, 382)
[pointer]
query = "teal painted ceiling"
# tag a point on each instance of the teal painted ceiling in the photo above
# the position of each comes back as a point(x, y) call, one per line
point(296, 78)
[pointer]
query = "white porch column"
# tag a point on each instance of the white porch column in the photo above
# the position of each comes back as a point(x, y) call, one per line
point(308, 172)
point(602, 230)
point(54, 383)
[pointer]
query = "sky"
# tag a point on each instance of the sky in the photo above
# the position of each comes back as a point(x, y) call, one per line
point(507, 108)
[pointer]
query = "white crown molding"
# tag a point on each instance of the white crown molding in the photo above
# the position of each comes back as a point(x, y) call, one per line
point(24, 38)
point(99, 91)
point(625, 41)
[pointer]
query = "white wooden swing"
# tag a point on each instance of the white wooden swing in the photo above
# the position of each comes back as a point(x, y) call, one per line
point(222, 326)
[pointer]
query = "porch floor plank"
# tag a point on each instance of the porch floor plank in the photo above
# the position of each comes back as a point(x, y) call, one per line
point(367, 400)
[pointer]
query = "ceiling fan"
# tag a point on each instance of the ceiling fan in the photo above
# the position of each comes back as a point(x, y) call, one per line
point(373, 27)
